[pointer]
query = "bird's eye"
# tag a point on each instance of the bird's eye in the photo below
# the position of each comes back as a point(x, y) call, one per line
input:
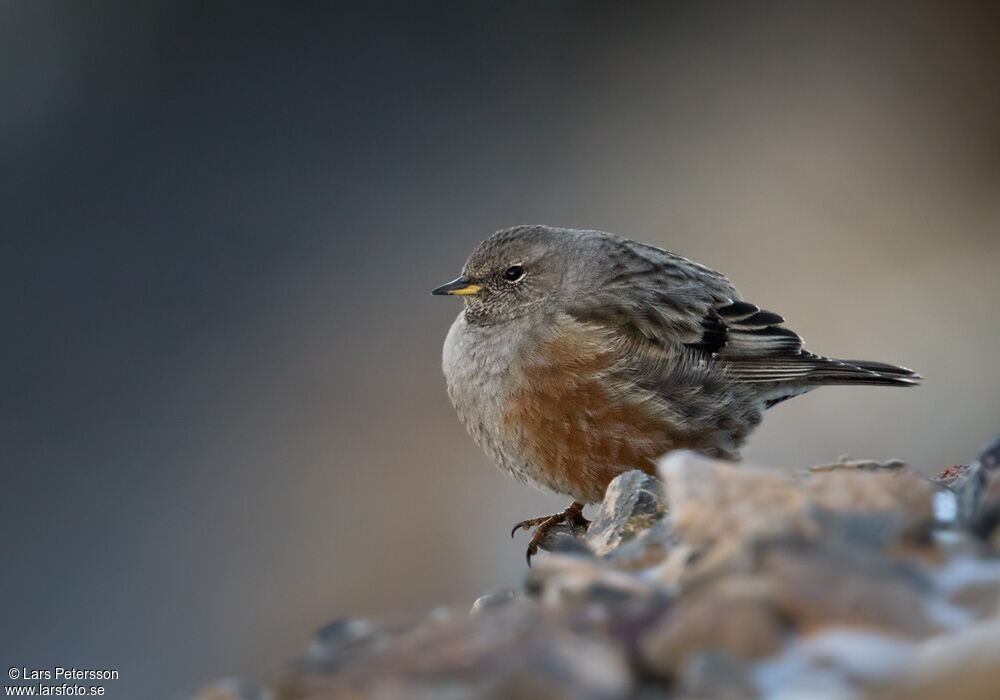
point(514, 273)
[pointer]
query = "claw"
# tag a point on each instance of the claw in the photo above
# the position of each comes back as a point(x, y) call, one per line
point(528, 524)
point(573, 514)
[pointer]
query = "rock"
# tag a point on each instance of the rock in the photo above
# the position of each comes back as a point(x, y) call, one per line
point(514, 651)
point(949, 475)
point(566, 538)
point(968, 580)
point(712, 501)
point(735, 616)
point(845, 463)
point(581, 667)
point(725, 513)
point(978, 493)
point(719, 511)
point(989, 459)
point(902, 496)
point(345, 641)
point(715, 675)
point(647, 549)
point(963, 665)
point(632, 504)
point(834, 663)
point(495, 600)
point(854, 579)
point(818, 586)
point(565, 579)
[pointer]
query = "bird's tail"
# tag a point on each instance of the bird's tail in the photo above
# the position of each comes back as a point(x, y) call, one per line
point(826, 371)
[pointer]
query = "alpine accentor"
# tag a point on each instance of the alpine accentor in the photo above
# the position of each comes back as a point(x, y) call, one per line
point(580, 355)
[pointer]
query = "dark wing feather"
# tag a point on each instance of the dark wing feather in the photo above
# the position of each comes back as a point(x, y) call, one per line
point(762, 351)
point(759, 348)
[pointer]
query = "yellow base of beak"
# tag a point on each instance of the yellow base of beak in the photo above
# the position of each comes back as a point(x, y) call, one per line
point(471, 289)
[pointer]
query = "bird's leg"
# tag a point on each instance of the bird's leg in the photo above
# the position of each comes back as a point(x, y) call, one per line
point(573, 515)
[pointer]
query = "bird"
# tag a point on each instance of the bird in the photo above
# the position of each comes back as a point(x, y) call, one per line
point(579, 355)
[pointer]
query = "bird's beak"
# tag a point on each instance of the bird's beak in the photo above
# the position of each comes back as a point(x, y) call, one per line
point(460, 287)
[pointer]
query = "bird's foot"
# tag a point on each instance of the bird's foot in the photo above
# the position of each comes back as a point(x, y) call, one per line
point(572, 515)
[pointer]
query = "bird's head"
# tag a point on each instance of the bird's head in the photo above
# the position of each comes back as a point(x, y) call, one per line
point(517, 271)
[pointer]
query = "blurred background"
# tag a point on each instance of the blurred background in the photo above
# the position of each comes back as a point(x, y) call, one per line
point(223, 417)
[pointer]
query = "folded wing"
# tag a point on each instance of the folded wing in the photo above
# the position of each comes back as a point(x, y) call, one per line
point(669, 307)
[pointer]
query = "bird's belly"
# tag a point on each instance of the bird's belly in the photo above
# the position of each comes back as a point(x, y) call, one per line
point(580, 419)
point(579, 434)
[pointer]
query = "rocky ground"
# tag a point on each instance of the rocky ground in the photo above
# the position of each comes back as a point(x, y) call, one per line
point(856, 579)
